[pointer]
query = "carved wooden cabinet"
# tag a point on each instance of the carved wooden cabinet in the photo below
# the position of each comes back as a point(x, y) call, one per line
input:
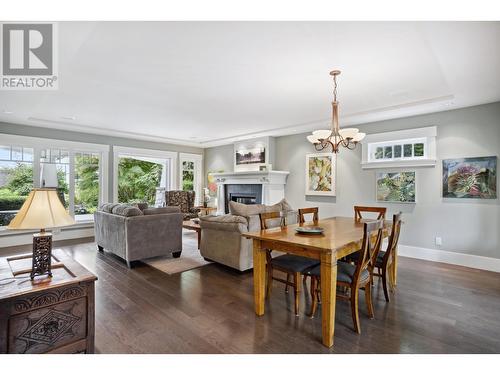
point(46, 315)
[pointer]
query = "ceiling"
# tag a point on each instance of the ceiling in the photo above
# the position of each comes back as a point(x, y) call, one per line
point(211, 83)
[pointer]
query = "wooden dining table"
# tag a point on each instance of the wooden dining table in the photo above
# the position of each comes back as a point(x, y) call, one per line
point(341, 236)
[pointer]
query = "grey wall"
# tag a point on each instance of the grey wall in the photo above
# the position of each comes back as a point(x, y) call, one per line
point(32, 131)
point(219, 158)
point(465, 225)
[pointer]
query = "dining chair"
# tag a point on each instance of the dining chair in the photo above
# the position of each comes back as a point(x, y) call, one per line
point(359, 209)
point(306, 211)
point(292, 265)
point(354, 277)
point(387, 259)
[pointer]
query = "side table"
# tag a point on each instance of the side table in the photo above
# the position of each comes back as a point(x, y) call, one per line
point(49, 314)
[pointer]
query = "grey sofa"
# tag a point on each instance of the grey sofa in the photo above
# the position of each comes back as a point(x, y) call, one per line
point(221, 236)
point(135, 234)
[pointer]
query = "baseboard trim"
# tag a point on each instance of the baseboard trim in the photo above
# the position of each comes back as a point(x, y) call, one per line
point(450, 257)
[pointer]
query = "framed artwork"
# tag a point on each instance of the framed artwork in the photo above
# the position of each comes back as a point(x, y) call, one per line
point(320, 174)
point(396, 187)
point(255, 155)
point(470, 178)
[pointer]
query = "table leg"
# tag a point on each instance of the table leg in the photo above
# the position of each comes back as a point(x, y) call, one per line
point(328, 297)
point(199, 238)
point(259, 276)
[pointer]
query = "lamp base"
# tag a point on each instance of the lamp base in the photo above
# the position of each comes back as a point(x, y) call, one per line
point(42, 254)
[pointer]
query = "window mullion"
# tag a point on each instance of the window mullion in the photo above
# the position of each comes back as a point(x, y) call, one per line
point(72, 183)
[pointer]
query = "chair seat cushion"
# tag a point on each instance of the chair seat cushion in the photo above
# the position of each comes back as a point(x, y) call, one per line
point(354, 258)
point(294, 263)
point(345, 272)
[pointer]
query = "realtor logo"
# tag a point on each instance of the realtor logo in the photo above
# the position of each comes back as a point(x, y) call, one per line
point(28, 60)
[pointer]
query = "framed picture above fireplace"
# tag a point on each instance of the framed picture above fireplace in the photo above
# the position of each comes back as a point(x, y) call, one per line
point(321, 178)
point(251, 155)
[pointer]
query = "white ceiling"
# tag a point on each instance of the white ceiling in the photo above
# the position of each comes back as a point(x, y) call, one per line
point(210, 83)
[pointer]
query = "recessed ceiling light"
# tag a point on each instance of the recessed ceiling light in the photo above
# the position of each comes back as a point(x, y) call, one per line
point(72, 118)
point(5, 112)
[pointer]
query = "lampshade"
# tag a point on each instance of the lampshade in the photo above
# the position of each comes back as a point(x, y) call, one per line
point(348, 132)
point(42, 209)
point(312, 138)
point(322, 134)
point(359, 137)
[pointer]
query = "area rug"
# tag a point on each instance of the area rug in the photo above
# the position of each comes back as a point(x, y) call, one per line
point(189, 259)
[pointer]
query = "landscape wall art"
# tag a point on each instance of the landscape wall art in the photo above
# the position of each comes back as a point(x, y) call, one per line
point(253, 156)
point(396, 187)
point(470, 178)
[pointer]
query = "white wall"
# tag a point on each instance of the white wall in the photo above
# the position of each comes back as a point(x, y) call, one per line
point(465, 226)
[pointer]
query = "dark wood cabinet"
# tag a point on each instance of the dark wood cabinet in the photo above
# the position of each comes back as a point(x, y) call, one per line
point(46, 315)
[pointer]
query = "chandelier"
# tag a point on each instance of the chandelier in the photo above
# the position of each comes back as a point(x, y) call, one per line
point(335, 137)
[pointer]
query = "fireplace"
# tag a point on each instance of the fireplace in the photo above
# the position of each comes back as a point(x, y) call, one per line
point(242, 193)
point(251, 187)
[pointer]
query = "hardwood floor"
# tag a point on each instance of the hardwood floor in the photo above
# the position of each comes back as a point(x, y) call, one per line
point(437, 308)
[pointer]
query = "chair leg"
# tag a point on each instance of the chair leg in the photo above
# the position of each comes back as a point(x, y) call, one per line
point(355, 309)
point(314, 295)
point(368, 299)
point(287, 281)
point(296, 289)
point(384, 284)
point(269, 280)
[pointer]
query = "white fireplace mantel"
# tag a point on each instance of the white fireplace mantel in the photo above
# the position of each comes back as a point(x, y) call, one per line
point(273, 185)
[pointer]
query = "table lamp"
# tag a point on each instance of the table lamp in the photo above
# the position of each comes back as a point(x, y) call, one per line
point(43, 209)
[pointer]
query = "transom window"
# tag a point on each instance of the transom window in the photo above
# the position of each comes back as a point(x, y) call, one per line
point(400, 149)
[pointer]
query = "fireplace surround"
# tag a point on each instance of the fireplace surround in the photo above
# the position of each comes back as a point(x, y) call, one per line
point(266, 187)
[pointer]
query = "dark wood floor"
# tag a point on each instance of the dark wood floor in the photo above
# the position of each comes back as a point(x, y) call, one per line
point(437, 308)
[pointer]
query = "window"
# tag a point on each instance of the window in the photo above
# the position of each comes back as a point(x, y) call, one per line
point(187, 175)
point(81, 184)
point(16, 180)
point(190, 172)
point(86, 182)
point(143, 175)
point(388, 151)
point(402, 148)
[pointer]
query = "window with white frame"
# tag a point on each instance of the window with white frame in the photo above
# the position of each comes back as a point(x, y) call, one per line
point(402, 148)
point(143, 175)
point(190, 175)
point(80, 182)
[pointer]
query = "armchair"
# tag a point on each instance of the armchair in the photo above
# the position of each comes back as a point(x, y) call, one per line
point(184, 200)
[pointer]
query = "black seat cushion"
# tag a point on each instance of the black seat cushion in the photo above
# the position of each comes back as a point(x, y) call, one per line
point(294, 263)
point(345, 272)
point(354, 258)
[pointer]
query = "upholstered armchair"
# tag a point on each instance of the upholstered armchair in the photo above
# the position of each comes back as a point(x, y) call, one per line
point(184, 200)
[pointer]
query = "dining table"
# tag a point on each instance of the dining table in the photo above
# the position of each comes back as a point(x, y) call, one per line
point(340, 237)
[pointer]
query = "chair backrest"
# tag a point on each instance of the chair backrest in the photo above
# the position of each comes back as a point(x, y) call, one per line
point(359, 209)
point(393, 238)
point(267, 216)
point(305, 211)
point(184, 199)
point(369, 249)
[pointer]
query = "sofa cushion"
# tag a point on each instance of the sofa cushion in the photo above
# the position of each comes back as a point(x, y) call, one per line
point(107, 207)
point(126, 210)
point(225, 219)
point(245, 210)
point(161, 210)
point(141, 206)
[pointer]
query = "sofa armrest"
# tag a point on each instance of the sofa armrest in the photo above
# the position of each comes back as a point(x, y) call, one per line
point(231, 223)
